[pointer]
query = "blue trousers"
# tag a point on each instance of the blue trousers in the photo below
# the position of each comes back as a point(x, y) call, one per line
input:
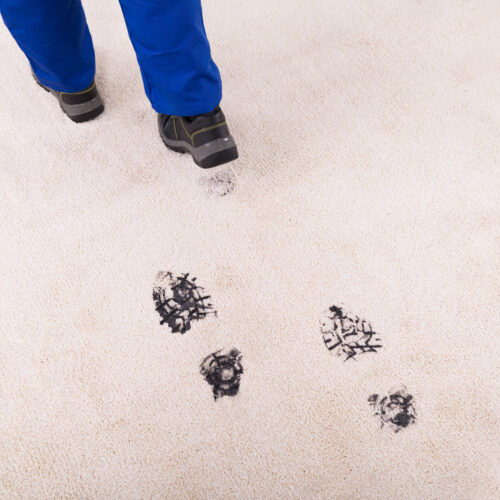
point(169, 38)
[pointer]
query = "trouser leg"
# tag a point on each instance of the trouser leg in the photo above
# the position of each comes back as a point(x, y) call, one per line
point(56, 40)
point(169, 38)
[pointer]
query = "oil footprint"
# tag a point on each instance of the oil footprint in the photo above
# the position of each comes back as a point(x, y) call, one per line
point(180, 301)
point(347, 335)
point(222, 370)
point(395, 409)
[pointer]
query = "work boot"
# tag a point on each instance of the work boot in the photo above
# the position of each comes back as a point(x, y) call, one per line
point(206, 137)
point(79, 106)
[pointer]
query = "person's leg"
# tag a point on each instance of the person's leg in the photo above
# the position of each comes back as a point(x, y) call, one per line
point(54, 36)
point(180, 77)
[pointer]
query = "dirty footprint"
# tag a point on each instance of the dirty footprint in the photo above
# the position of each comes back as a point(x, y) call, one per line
point(347, 335)
point(223, 370)
point(219, 184)
point(180, 301)
point(395, 409)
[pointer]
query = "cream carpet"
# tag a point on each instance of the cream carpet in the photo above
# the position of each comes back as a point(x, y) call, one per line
point(368, 180)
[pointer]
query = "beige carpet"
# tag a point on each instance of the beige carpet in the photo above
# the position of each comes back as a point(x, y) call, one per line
point(368, 179)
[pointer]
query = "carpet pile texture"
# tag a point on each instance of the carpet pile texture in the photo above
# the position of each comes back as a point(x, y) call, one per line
point(351, 257)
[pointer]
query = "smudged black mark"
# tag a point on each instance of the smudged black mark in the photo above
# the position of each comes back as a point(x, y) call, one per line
point(223, 371)
point(220, 184)
point(179, 301)
point(395, 409)
point(347, 334)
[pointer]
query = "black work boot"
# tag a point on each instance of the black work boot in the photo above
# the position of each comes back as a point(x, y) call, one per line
point(206, 137)
point(79, 106)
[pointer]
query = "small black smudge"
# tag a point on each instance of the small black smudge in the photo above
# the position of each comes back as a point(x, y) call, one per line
point(219, 184)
